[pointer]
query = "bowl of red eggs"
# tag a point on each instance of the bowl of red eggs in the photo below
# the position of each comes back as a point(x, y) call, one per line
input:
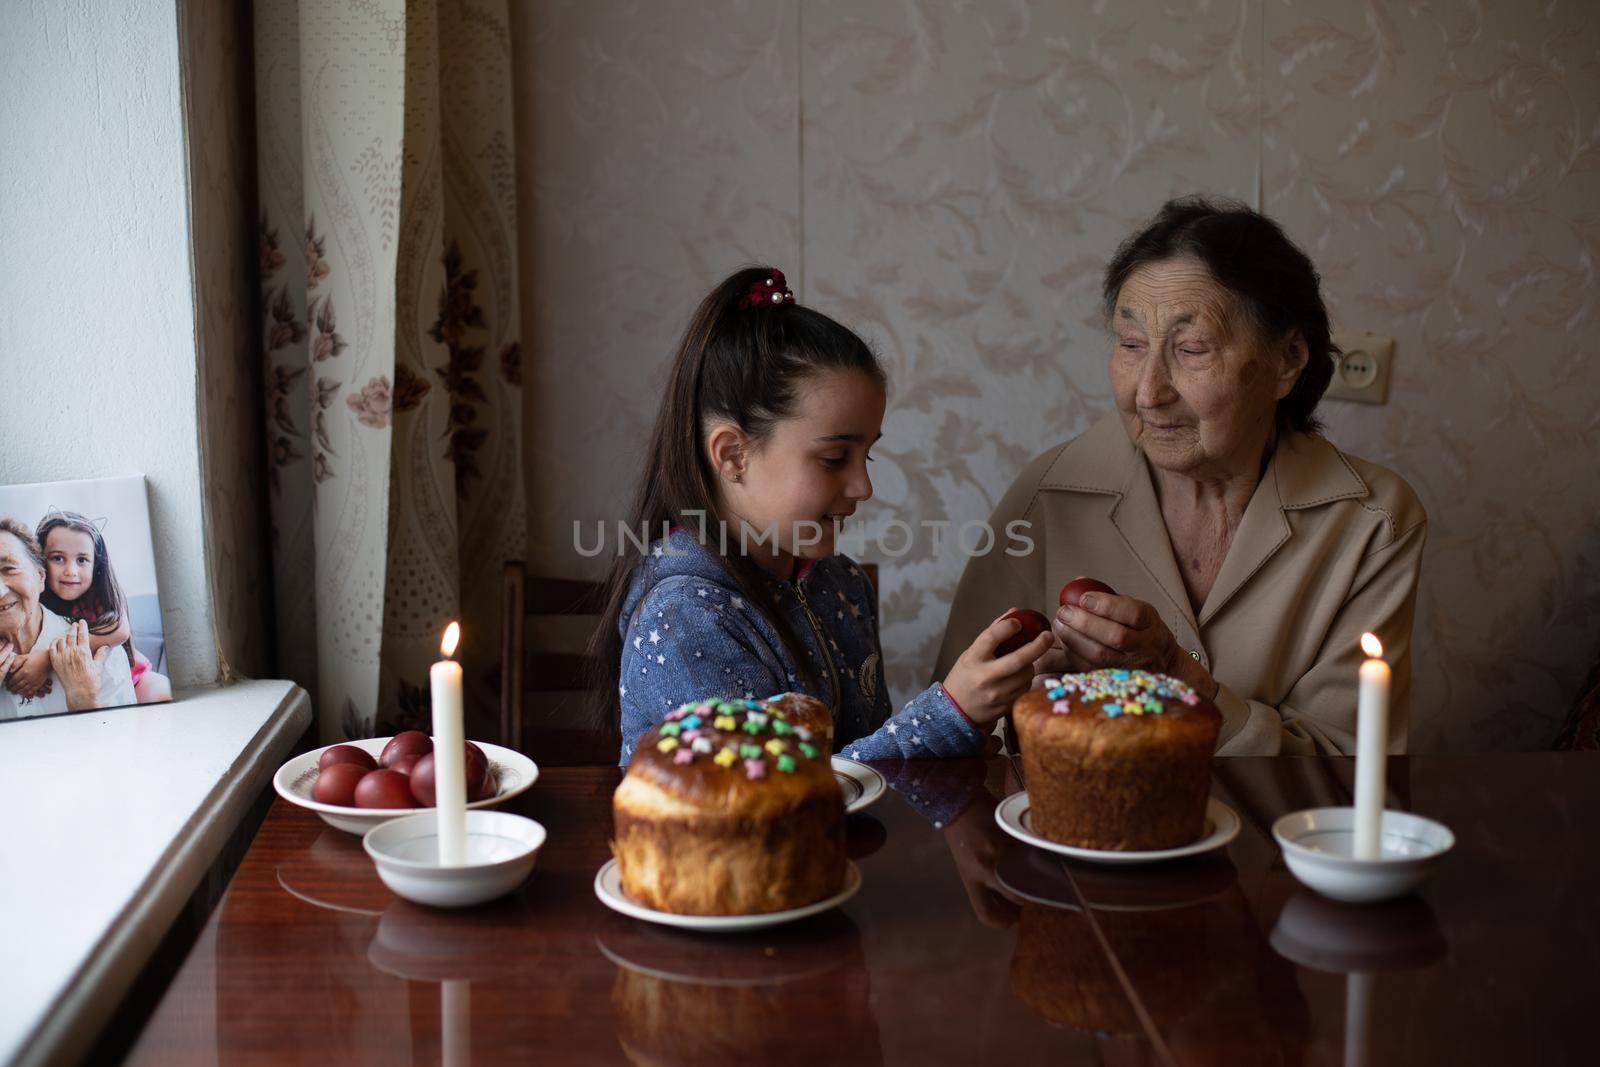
point(356, 785)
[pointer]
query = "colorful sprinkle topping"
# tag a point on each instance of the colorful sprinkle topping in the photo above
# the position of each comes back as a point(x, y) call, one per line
point(1119, 692)
point(762, 735)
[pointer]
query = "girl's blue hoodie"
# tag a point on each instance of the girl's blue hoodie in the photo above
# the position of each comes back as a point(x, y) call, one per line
point(689, 634)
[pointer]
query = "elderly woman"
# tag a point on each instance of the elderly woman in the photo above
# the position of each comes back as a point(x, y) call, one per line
point(80, 679)
point(1248, 554)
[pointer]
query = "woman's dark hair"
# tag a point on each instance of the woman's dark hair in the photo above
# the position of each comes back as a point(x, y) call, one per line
point(1252, 257)
point(745, 365)
point(104, 596)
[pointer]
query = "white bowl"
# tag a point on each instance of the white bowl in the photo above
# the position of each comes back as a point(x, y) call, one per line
point(1318, 845)
point(501, 849)
point(295, 779)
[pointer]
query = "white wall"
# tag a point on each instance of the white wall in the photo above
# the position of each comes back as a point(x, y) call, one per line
point(97, 346)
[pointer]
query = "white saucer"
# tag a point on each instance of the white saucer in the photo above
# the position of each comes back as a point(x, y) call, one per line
point(500, 850)
point(608, 887)
point(862, 785)
point(296, 778)
point(1222, 826)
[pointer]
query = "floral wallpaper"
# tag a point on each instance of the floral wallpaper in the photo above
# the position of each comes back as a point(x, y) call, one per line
point(950, 179)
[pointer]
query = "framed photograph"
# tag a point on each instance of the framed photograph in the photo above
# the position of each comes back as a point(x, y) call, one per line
point(80, 615)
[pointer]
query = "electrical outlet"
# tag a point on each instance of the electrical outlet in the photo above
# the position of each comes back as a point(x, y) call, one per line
point(1361, 373)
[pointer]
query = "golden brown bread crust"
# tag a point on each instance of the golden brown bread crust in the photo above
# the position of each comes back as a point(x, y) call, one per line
point(1117, 760)
point(731, 808)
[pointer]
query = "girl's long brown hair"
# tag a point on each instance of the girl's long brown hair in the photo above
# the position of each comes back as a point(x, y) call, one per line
point(745, 365)
point(104, 595)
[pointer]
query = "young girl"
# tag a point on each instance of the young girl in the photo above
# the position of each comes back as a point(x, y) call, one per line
point(80, 584)
point(758, 456)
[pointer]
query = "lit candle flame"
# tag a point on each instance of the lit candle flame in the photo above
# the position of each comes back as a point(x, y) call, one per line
point(1369, 644)
point(452, 637)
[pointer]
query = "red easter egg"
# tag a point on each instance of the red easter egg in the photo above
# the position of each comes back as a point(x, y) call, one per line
point(409, 743)
point(1073, 591)
point(422, 788)
point(336, 784)
point(346, 754)
point(1033, 624)
point(383, 789)
point(488, 787)
point(477, 768)
point(403, 764)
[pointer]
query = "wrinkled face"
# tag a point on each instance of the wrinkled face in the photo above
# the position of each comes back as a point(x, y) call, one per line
point(68, 562)
point(21, 582)
point(811, 471)
point(1197, 388)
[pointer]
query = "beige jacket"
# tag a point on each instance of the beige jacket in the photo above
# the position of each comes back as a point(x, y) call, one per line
point(1329, 546)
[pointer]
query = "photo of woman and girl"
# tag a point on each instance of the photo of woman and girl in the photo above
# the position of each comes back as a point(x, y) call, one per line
point(65, 569)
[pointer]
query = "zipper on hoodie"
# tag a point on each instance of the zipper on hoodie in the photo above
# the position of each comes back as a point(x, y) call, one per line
point(822, 643)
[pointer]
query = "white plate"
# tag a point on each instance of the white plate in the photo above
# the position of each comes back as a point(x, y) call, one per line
point(1222, 826)
point(294, 780)
point(862, 785)
point(608, 887)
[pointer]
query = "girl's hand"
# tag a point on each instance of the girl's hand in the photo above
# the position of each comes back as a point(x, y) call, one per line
point(30, 674)
point(1118, 631)
point(8, 657)
point(78, 668)
point(976, 844)
point(984, 686)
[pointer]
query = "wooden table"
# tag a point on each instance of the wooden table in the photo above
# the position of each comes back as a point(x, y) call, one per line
point(961, 947)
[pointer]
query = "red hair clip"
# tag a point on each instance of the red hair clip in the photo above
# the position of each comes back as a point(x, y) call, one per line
point(771, 291)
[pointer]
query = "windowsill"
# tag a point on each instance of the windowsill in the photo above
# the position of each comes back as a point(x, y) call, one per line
point(111, 820)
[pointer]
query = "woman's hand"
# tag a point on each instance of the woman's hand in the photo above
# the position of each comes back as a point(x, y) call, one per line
point(30, 674)
point(1118, 631)
point(8, 658)
point(78, 668)
point(983, 686)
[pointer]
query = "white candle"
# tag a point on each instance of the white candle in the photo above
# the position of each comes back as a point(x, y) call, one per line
point(449, 754)
point(1372, 747)
point(455, 1021)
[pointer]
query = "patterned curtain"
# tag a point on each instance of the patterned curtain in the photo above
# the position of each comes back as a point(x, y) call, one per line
point(392, 367)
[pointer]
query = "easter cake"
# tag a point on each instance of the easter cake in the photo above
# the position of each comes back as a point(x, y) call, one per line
point(1117, 759)
point(731, 807)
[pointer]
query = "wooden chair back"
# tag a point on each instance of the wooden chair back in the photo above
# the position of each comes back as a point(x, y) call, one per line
point(558, 614)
